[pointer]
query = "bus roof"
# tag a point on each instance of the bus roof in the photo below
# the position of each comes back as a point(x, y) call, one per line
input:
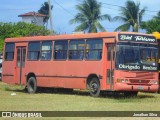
point(71, 36)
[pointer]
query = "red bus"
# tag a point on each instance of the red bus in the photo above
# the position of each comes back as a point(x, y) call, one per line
point(107, 61)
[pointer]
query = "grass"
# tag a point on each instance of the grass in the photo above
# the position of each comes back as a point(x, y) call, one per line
point(75, 101)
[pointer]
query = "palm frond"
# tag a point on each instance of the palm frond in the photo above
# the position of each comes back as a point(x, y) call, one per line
point(120, 18)
point(92, 28)
point(79, 18)
point(129, 16)
point(89, 12)
point(100, 27)
point(124, 27)
point(82, 27)
point(105, 17)
point(141, 13)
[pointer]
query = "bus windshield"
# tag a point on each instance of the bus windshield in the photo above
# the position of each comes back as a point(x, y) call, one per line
point(148, 55)
point(136, 54)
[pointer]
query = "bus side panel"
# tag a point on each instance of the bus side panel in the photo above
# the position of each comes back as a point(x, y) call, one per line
point(61, 82)
point(67, 74)
point(8, 72)
point(75, 83)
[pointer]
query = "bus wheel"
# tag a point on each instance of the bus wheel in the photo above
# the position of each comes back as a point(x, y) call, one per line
point(94, 87)
point(31, 85)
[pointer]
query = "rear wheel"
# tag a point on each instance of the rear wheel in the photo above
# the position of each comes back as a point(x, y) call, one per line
point(94, 87)
point(31, 85)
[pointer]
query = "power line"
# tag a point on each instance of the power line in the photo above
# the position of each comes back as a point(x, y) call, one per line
point(103, 6)
point(149, 15)
point(111, 8)
point(63, 8)
point(151, 11)
point(123, 6)
point(111, 4)
point(66, 10)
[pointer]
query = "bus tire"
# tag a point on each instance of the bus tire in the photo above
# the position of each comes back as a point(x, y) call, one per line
point(32, 85)
point(94, 87)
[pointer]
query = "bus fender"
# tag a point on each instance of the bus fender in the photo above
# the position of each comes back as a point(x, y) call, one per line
point(30, 75)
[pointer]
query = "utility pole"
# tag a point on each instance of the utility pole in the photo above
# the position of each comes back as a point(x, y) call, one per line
point(50, 17)
point(138, 22)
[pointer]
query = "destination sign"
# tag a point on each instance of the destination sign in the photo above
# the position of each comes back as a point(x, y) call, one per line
point(137, 67)
point(136, 38)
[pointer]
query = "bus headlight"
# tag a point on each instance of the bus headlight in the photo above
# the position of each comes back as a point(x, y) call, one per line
point(118, 80)
point(153, 82)
point(127, 81)
point(122, 80)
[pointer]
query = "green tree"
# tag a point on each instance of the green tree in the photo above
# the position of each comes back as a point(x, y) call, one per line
point(20, 29)
point(129, 16)
point(45, 10)
point(88, 16)
point(152, 25)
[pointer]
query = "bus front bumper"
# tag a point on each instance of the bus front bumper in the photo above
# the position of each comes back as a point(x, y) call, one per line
point(144, 88)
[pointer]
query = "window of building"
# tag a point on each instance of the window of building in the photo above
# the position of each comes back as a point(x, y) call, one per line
point(76, 49)
point(46, 50)
point(60, 50)
point(9, 51)
point(94, 49)
point(33, 50)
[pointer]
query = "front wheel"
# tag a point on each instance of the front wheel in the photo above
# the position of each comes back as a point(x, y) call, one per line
point(94, 87)
point(31, 85)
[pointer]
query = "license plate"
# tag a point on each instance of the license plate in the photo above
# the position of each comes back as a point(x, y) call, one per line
point(140, 88)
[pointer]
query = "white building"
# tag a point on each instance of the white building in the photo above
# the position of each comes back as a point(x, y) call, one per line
point(33, 17)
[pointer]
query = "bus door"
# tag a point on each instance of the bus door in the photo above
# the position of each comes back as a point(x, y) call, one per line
point(110, 65)
point(20, 63)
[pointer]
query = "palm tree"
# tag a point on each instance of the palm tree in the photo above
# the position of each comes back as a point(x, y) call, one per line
point(129, 15)
point(45, 10)
point(88, 16)
point(157, 16)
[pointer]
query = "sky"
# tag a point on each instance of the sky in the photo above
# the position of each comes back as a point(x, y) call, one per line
point(64, 10)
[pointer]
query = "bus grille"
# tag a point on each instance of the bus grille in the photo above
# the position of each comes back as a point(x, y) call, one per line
point(139, 77)
point(139, 81)
point(145, 75)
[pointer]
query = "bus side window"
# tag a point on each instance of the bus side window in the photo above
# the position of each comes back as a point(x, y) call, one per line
point(60, 50)
point(33, 50)
point(9, 51)
point(76, 49)
point(94, 49)
point(46, 50)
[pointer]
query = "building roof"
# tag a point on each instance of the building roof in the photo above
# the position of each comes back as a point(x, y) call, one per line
point(32, 14)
